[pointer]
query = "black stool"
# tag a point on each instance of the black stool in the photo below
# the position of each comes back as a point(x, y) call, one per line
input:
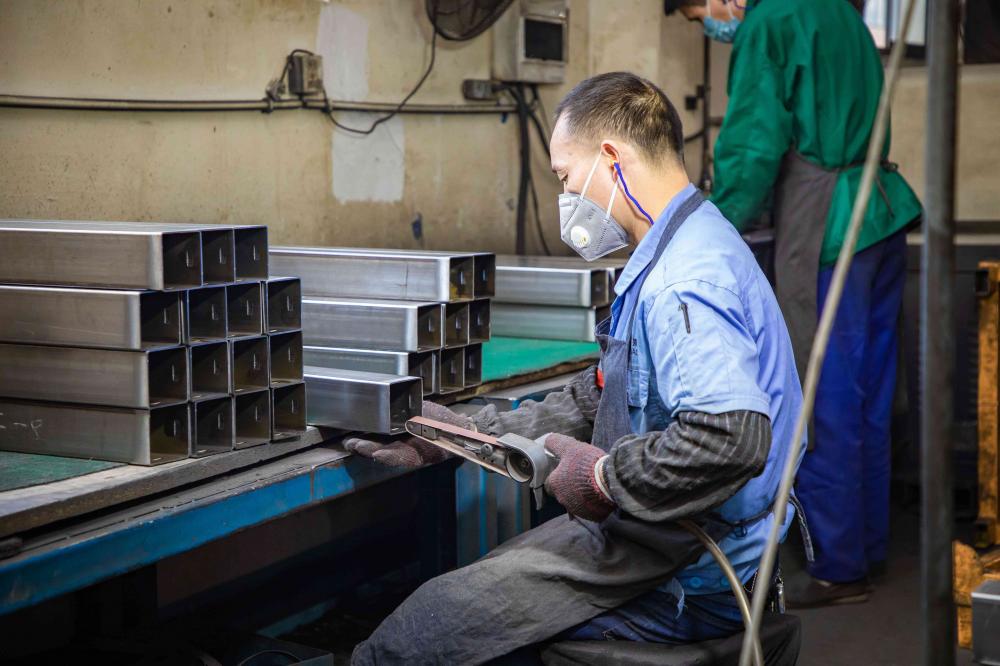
point(780, 639)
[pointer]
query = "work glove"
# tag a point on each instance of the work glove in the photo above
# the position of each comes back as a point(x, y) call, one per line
point(412, 452)
point(574, 483)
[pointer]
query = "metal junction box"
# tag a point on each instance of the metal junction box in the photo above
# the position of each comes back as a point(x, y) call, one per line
point(530, 42)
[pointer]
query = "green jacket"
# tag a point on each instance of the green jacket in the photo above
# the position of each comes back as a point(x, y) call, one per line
point(805, 75)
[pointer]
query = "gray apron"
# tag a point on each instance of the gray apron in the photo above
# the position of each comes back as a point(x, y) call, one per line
point(802, 198)
point(552, 577)
point(801, 203)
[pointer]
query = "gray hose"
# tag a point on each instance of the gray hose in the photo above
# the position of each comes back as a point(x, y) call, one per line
point(734, 582)
point(822, 338)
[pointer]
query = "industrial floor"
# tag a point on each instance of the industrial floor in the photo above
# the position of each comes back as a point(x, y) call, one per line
point(884, 630)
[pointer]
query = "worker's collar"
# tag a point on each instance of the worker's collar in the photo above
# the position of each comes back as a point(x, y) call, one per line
point(647, 246)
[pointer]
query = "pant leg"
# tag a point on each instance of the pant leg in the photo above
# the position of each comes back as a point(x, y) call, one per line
point(880, 364)
point(660, 616)
point(829, 482)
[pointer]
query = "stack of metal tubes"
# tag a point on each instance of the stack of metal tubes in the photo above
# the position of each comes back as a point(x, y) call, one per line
point(386, 328)
point(556, 298)
point(145, 343)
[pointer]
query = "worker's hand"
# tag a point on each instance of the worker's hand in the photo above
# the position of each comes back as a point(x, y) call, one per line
point(412, 452)
point(573, 483)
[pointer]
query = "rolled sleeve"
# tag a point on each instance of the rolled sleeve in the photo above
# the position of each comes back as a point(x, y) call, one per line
point(703, 351)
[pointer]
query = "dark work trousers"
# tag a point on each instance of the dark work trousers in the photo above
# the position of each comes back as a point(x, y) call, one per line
point(843, 482)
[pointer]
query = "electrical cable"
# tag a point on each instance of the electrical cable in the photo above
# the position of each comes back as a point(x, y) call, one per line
point(734, 580)
point(538, 219)
point(524, 144)
point(823, 330)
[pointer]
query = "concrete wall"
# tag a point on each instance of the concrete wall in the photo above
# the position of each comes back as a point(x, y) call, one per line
point(291, 170)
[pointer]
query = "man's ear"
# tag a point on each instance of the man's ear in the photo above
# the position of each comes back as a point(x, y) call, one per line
point(609, 152)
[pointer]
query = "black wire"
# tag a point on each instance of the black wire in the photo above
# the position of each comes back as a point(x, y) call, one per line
point(541, 105)
point(389, 116)
point(538, 218)
point(524, 144)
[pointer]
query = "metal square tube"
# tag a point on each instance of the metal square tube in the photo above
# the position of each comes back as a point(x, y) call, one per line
point(133, 436)
point(211, 427)
point(372, 324)
point(117, 378)
point(456, 324)
point(285, 358)
point(368, 273)
point(244, 308)
point(282, 304)
point(473, 366)
point(111, 319)
point(413, 364)
point(479, 320)
point(96, 254)
point(537, 281)
point(250, 365)
point(210, 374)
point(251, 253)
point(288, 411)
point(218, 256)
point(252, 419)
point(451, 370)
point(362, 401)
point(551, 322)
point(207, 316)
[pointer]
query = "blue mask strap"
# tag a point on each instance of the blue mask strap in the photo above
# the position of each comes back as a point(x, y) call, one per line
point(629, 194)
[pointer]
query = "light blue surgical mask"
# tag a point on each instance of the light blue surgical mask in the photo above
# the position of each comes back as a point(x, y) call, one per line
point(720, 31)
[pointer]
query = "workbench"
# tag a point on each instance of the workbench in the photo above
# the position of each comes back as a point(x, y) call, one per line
point(94, 521)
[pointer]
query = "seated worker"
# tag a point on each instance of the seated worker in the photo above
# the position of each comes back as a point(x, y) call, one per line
point(689, 415)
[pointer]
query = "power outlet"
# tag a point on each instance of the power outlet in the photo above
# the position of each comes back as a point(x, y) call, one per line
point(305, 74)
point(478, 89)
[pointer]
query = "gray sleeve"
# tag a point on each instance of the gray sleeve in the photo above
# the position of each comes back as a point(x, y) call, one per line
point(693, 466)
point(570, 412)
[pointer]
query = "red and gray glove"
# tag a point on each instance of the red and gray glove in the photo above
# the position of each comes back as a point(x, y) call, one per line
point(574, 482)
point(412, 452)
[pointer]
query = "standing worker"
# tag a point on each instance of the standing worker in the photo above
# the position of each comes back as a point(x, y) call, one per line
point(804, 85)
point(696, 373)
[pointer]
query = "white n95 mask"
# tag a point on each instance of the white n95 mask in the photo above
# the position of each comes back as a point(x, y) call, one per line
point(585, 227)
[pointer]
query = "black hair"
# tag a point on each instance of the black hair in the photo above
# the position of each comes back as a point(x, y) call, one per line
point(626, 106)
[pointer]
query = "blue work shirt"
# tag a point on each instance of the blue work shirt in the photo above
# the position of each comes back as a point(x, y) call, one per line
point(709, 337)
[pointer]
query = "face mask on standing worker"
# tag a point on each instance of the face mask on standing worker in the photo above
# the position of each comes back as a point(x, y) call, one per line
point(721, 31)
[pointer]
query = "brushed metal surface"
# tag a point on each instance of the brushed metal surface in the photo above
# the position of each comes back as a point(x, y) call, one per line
point(372, 324)
point(249, 362)
point(252, 413)
point(483, 265)
point(362, 273)
point(54, 253)
point(613, 266)
point(552, 322)
point(209, 368)
point(473, 375)
point(414, 364)
point(207, 314)
point(244, 309)
point(134, 436)
point(479, 320)
point(212, 427)
point(451, 370)
point(456, 324)
point(111, 319)
point(362, 401)
point(285, 358)
point(538, 281)
point(282, 304)
point(112, 377)
point(288, 411)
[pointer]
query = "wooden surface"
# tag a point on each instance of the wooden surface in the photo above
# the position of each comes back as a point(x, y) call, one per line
point(23, 509)
point(970, 570)
point(988, 404)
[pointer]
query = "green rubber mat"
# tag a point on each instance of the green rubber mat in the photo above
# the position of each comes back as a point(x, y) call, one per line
point(509, 357)
point(20, 470)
